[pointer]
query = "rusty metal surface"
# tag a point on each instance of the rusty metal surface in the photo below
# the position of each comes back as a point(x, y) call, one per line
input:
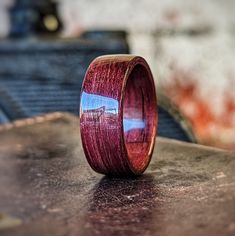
point(47, 187)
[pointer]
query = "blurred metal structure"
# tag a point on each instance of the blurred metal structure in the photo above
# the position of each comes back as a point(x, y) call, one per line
point(34, 18)
point(39, 75)
point(42, 75)
point(172, 123)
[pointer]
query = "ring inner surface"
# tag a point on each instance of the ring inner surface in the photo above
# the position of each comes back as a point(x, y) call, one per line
point(139, 117)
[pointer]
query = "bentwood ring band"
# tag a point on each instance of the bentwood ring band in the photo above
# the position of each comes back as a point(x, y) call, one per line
point(118, 115)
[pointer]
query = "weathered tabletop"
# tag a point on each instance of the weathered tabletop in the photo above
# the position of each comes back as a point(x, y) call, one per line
point(47, 187)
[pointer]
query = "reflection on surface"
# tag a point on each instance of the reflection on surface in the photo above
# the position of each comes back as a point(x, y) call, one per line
point(134, 122)
point(97, 108)
point(129, 124)
point(90, 102)
point(139, 116)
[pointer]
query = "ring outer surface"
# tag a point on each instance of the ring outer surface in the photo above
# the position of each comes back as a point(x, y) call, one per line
point(104, 144)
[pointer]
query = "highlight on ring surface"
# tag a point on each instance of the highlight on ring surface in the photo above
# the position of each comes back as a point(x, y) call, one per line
point(118, 115)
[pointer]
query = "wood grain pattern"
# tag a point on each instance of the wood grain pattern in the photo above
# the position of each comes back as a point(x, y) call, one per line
point(118, 115)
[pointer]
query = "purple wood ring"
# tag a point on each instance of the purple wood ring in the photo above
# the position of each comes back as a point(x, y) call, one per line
point(118, 115)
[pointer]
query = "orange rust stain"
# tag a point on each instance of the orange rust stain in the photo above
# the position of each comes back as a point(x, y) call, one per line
point(229, 110)
point(184, 92)
point(185, 95)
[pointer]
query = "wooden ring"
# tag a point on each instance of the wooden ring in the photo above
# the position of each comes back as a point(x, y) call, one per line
point(118, 115)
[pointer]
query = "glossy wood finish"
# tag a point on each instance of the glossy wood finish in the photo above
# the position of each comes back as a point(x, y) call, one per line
point(47, 187)
point(118, 115)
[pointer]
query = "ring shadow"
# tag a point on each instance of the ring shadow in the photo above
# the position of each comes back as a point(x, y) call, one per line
point(124, 206)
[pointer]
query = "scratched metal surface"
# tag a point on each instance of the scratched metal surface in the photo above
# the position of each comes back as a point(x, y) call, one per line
point(47, 187)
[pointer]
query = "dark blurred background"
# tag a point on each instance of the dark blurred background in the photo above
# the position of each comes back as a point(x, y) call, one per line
point(46, 46)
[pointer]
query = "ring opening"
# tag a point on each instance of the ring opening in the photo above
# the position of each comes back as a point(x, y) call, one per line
point(139, 117)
